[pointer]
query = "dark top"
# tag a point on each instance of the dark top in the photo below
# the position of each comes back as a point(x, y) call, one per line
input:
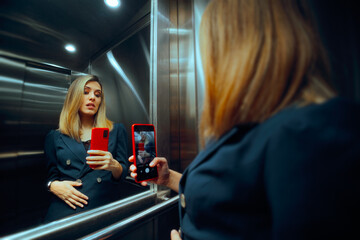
point(295, 176)
point(67, 161)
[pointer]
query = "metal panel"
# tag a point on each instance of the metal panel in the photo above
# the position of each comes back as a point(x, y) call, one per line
point(159, 79)
point(31, 98)
point(183, 85)
point(124, 72)
point(11, 84)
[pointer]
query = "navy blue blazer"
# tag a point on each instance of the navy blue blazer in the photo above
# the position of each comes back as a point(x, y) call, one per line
point(67, 161)
point(295, 176)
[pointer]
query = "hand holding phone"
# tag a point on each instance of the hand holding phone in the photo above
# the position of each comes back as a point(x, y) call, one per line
point(144, 151)
point(99, 140)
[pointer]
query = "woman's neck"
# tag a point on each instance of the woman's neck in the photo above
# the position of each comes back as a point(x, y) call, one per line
point(86, 125)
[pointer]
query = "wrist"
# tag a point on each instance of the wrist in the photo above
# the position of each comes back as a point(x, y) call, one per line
point(170, 177)
point(50, 183)
point(116, 169)
point(173, 180)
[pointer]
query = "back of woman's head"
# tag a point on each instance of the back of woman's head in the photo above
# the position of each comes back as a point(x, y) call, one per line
point(258, 57)
point(69, 122)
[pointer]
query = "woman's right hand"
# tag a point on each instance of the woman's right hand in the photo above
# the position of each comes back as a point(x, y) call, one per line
point(162, 167)
point(67, 192)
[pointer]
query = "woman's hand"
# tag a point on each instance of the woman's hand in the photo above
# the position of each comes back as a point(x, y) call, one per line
point(166, 176)
point(162, 167)
point(175, 235)
point(66, 191)
point(103, 160)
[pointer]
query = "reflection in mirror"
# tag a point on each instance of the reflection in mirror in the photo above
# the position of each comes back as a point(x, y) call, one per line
point(35, 74)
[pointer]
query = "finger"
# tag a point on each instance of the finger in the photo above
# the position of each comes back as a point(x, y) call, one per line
point(79, 199)
point(80, 195)
point(74, 202)
point(175, 235)
point(96, 152)
point(97, 163)
point(155, 162)
point(131, 158)
point(133, 174)
point(97, 157)
point(75, 184)
point(144, 184)
point(133, 168)
point(70, 204)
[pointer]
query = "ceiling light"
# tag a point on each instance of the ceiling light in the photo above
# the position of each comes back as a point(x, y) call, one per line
point(70, 48)
point(112, 3)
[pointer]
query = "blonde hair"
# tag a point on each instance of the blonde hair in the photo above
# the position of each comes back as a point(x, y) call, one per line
point(258, 57)
point(69, 122)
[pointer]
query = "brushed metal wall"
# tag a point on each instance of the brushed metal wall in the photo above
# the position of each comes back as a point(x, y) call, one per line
point(186, 80)
point(32, 98)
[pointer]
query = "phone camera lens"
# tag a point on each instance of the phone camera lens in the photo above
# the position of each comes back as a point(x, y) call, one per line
point(106, 132)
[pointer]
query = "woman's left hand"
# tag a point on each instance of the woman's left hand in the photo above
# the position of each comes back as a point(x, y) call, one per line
point(175, 235)
point(103, 160)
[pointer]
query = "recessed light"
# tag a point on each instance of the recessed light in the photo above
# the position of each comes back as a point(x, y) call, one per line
point(112, 3)
point(70, 48)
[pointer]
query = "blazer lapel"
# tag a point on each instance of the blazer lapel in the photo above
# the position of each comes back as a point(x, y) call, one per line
point(75, 147)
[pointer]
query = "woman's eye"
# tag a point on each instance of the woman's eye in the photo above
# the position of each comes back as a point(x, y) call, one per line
point(86, 92)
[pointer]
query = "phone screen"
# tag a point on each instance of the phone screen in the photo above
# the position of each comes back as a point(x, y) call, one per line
point(144, 146)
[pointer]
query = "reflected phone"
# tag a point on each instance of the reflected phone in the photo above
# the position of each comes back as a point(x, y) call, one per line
point(99, 140)
point(144, 151)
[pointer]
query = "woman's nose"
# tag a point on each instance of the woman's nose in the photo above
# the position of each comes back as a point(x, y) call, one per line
point(91, 95)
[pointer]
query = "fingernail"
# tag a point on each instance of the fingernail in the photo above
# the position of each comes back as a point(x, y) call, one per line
point(151, 164)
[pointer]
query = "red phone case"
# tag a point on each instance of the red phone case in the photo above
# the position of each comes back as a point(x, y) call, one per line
point(99, 140)
point(141, 147)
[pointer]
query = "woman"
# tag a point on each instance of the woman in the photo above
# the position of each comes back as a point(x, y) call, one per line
point(281, 157)
point(76, 186)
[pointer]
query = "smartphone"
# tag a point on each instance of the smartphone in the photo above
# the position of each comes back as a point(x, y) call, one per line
point(99, 140)
point(144, 151)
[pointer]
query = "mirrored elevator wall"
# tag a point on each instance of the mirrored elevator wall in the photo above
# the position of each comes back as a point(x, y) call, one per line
point(124, 71)
point(31, 97)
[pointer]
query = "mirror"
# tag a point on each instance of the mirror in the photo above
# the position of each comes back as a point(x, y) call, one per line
point(35, 73)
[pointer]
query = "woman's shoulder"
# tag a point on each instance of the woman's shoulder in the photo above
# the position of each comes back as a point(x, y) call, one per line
point(337, 112)
point(119, 128)
point(335, 120)
point(53, 133)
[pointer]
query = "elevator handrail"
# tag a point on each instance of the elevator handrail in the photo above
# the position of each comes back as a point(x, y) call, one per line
point(48, 231)
point(125, 224)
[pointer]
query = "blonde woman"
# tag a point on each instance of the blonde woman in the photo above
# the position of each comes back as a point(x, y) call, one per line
point(76, 186)
point(281, 156)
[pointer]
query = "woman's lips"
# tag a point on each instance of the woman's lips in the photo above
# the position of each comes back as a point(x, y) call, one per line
point(90, 105)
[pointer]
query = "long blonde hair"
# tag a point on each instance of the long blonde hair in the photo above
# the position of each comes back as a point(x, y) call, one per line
point(259, 56)
point(69, 122)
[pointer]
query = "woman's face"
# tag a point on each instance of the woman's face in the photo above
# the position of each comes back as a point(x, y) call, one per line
point(91, 99)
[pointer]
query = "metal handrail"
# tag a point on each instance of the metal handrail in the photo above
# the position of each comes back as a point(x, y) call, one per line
point(129, 222)
point(47, 231)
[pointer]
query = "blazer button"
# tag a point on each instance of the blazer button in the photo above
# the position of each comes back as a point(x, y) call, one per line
point(79, 180)
point(182, 200)
point(68, 162)
point(99, 179)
